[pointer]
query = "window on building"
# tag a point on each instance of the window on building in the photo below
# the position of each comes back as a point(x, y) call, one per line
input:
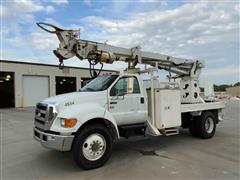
point(65, 84)
point(85, 81)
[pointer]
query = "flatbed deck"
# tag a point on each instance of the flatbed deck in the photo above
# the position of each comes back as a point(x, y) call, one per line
point(202, 106)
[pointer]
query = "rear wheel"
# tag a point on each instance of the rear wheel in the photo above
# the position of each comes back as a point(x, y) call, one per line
point(92, 146)
point(203, 126)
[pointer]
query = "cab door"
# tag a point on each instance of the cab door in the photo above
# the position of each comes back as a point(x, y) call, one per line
point(125, 101)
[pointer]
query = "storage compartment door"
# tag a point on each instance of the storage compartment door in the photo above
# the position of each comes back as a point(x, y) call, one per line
point(167, 108)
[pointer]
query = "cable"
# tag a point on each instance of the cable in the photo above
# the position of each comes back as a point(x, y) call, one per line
point(92, 69)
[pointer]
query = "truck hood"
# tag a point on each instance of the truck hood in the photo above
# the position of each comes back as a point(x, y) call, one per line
point(69, 99)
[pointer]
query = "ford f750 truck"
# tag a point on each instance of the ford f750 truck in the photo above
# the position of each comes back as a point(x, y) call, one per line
point(110, 107)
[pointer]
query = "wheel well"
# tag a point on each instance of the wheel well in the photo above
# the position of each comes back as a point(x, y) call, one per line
point(215, 113)
point(187, 117)
point(104, 122)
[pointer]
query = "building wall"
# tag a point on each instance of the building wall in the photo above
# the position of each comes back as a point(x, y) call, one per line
point(233, 91)
point(21, 69)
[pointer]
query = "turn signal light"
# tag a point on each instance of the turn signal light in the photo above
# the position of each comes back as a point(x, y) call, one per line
point(68, 123)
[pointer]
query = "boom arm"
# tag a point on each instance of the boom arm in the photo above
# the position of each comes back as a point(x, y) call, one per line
point(71, 45)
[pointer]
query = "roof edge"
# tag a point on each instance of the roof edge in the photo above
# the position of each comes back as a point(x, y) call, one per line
point(51, 65)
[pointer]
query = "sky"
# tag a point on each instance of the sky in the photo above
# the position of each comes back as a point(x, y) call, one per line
point(201, 30)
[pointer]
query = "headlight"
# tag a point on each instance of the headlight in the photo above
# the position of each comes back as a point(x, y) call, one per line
point(52, 112)
point(68, 123)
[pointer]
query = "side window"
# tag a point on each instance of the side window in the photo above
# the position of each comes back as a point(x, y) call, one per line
point(136, 89)
point(125, 85)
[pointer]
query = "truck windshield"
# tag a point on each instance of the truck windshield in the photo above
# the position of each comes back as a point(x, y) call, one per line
point(100, 83)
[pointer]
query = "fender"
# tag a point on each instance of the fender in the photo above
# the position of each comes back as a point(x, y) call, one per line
point(108, 116)
point(83, 113)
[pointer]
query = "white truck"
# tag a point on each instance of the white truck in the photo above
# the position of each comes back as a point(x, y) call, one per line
point(110, 107)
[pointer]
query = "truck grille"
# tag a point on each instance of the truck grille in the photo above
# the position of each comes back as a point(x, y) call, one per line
point(40, 114)
point(43, 116)
point(41, 106)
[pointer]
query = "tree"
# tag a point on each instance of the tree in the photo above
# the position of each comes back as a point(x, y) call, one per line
point(237, 84)
point(221, 87)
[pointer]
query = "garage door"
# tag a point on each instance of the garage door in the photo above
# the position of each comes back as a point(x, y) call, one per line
point(35, 89)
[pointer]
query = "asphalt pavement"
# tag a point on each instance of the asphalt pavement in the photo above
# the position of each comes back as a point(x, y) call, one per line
point(173, 157)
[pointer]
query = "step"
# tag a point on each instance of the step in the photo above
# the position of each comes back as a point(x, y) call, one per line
point(171, 131)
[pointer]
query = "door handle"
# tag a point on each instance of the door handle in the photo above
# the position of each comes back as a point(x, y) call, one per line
point(113, 102)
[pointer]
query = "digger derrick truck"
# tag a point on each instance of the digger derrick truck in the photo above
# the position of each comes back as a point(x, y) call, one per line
point(111, 107)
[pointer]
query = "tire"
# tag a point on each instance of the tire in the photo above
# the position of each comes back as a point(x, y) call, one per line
point(92, 146)
point(192, 128)
point(203, 126)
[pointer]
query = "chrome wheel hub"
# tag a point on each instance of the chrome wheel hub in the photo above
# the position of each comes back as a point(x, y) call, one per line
point(209, 125)
point(94, 147)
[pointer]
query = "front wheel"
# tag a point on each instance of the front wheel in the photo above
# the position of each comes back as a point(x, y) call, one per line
point(92, 146)
point(203, 126)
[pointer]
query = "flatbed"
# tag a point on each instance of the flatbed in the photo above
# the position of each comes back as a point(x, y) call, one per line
point(202, 106)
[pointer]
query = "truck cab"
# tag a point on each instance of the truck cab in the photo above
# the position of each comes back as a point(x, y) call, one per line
point(109, 100)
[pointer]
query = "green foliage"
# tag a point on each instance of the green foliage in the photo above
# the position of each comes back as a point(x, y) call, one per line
point(237, 84)
point(222, 87)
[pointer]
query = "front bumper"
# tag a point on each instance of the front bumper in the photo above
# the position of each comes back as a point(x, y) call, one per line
point(54, 141)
